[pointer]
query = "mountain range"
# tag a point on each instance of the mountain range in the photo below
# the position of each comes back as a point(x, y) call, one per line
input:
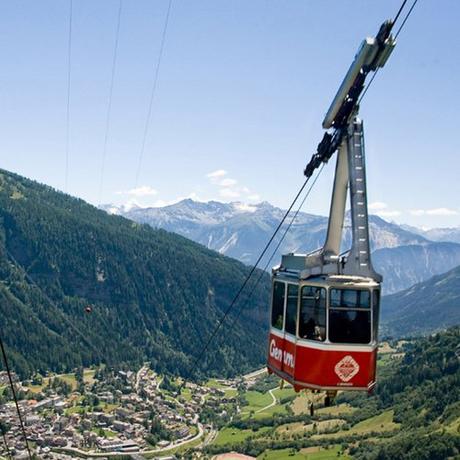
point(401, 254)
point(423, 308)
point(451, 234)
point(79, 286)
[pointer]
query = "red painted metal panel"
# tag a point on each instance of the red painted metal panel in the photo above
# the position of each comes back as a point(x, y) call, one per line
point(281, 354)
point(305, 366)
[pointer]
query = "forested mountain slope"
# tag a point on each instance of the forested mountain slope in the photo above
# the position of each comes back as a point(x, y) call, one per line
point(412, 414)
point(423, 308)
point(423, 390)
point(153, 295)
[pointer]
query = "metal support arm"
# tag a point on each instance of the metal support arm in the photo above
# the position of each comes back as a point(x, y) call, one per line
point(350, 172)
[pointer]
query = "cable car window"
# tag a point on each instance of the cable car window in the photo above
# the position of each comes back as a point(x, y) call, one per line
point(376, 312)
point(278, 304)
point(291, 309)
point(312, 321)
point(349, 316)
point(350, 298)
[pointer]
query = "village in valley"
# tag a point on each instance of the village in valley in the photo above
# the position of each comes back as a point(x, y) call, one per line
point(102, 411)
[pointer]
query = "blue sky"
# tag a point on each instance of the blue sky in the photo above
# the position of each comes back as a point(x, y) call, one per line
point(242, 91)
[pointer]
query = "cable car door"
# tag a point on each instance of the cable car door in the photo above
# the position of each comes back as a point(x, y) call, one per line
point(281, 346)
point(290, 329)
point(276, 338)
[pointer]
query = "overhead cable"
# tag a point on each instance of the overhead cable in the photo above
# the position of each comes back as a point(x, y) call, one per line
point(8, 452)
point(69, 70)
point(156, 74)
point(396, 36)
point(109, 104)
point(405, 19)
point(227, 311)
point(13, 390)
point(262, 272)
point(245, 282)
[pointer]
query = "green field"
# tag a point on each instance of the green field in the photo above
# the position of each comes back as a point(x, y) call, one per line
point(311, 453)
point(106, 407)
point(284, 393)
point(380, 423)
point(106, 433)
point(290, 429)
point(213, 383)
point(230, 392)
point(276, 409)
point(234, 435)
point(340, 409)
point(186, 394)
point(256, 401)
point(70, 379)
point(175, 450)
point(88, 377)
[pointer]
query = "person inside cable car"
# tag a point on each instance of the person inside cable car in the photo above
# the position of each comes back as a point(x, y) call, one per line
point(349, 316)
point(313, 314)
point(278, 305)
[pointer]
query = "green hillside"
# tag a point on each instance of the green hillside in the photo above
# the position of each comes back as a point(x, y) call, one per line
point(153, 295)
point(425, 307)
point(414, 414)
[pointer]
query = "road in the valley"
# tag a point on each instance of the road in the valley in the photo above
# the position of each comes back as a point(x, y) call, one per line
point(254, 374)
point(271, 404)
point(173, 445)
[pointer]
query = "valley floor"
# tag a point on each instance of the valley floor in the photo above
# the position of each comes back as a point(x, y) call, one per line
point(110, 413)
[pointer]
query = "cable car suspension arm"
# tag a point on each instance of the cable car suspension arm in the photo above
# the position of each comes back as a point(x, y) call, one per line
point(372, 55)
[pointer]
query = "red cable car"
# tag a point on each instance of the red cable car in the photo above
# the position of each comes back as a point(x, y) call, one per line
point(323, 332)
point(325, 305)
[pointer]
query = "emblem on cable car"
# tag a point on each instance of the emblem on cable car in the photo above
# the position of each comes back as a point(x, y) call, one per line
point(346, 368)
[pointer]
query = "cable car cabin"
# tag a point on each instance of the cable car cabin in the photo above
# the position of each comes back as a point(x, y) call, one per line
point(323, 331)
point(325, 304)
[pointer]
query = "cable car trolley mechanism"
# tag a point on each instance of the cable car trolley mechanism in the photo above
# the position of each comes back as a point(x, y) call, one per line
point(325, 305)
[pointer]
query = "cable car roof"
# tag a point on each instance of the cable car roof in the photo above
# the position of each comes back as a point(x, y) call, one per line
point(282, 273)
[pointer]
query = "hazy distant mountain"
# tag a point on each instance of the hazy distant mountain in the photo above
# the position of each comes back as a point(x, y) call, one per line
point(423, 308)
point(241, 231)
point(404, 266)
point(451, 234)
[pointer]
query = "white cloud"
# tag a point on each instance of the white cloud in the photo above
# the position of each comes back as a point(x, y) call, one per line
point(417, 212)
point(227, 182)
point(434, 212)
point(217, 173)
point(144, 190)
point(380, 208)
point(229, 193)
point(388, 213)
point(377, 206)
point(229, 188)
point(442, 212)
